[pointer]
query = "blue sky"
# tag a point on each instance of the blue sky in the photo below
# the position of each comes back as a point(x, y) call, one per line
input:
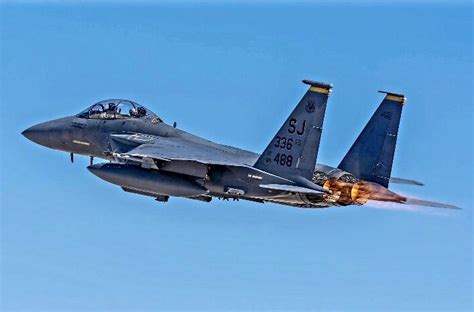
point(232, 73)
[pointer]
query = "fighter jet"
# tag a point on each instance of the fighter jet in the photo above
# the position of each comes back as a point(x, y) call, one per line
point(149, 157)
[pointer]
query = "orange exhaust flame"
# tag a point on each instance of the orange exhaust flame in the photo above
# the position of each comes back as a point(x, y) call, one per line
point(341, 191)
point(359, 193)
point(377, 196)
point(375, 191)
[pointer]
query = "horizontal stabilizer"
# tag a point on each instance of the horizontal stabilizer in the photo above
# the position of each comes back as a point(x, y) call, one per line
point(292, 188)
point(420, 202)
point(405, 181)
point(417, 202)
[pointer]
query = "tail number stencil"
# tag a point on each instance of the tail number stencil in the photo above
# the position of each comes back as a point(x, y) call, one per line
point(283, 143)
point(283, 159)
point(294, 127)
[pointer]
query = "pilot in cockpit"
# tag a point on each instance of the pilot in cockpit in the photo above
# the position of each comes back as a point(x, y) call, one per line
point(117, 109)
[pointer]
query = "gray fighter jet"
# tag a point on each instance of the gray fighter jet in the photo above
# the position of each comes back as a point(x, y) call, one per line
point(149, 157)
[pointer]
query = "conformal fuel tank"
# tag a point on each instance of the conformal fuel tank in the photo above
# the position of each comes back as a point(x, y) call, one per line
point(147, 180)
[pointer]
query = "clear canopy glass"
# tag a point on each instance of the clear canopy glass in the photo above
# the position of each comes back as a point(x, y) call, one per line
point(116, 109)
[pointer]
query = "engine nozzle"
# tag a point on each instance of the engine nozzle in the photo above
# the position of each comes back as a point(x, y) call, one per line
point(359, 193)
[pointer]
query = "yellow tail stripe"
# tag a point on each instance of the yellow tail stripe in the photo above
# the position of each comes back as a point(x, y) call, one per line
point(320, 90)
point(395, 98)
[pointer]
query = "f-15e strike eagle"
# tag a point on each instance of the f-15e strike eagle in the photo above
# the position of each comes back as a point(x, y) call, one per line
point(149, 157)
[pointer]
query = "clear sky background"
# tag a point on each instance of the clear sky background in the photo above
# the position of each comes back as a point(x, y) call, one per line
point(231, 73)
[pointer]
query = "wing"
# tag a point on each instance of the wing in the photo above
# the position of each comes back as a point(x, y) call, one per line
point(178, 149)
point(151, 149)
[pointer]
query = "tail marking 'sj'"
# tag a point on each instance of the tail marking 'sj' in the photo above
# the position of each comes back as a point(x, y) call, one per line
point(293, 150)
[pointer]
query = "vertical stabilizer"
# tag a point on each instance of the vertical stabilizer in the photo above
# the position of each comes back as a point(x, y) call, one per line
point(371, 156)
point(294, 149)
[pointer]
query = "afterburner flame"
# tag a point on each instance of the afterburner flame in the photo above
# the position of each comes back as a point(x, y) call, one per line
point(359, 193)
point(341, 191)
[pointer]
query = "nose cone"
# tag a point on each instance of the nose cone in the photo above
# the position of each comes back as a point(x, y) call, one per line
point(49, 134)
point(37, 134)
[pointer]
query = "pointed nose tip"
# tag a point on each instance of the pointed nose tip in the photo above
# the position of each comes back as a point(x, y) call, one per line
point(41, 134)
point(33, 134)
point(53, 134)
point(25, 133)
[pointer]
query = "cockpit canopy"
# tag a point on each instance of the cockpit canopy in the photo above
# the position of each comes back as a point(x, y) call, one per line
point(117, 109)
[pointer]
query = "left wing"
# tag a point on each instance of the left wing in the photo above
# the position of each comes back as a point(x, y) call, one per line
point(179, 149)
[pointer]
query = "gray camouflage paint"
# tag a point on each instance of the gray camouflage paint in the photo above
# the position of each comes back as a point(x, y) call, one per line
point(150, 157)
